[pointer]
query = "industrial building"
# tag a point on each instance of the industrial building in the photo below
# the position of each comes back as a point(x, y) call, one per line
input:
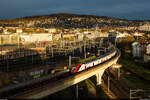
point(31, 38)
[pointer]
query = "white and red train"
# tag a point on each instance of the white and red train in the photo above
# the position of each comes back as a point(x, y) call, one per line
point(97, 61)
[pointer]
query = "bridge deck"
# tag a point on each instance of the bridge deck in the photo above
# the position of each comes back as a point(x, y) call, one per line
point(46, 90)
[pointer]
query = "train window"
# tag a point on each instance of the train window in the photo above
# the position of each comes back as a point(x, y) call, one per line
point(82, 67)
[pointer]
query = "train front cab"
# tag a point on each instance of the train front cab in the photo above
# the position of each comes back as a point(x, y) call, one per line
point(75, 69)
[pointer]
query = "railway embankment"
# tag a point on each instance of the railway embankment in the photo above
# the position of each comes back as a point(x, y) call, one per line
point(137, 69)
point(129, 80)
point(133, 80)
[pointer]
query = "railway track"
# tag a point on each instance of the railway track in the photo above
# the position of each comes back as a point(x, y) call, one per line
point(14, 65)
point(145, 93)
point(124, 87)
point(119, 89)
point(29, 88)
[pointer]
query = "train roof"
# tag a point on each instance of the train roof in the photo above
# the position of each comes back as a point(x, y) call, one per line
point(87, 62)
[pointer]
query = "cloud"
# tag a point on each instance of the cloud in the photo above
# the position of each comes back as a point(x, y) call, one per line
point(16, 8)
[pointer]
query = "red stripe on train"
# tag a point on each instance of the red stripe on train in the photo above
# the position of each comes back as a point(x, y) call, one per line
point(79, 65)
point(85, 67)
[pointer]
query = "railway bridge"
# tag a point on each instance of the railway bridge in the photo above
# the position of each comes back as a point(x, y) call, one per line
point(71, 80)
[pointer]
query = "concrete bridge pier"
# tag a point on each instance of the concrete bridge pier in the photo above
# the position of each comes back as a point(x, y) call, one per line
point(99, 75)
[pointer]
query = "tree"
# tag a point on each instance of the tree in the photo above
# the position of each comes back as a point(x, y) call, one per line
point(119, 41)
point(129, 39)
point(11, 30)
point(142, 39)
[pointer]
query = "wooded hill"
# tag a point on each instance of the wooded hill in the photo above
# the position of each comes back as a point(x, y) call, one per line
point(67, 20)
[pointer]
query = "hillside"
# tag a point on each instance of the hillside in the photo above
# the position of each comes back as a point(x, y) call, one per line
point(64, 20)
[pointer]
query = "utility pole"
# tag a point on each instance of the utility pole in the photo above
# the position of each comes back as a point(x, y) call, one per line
point(18, 40)
point(73, 50)
point(115, 42)
point(77, 92)
point(108, 83)
point(9, 39)
point(69, 61)
point(80, 48)
point(84, 49)
point(32, 58)
point(7, 64)
point(118, 73)
point(52, 52)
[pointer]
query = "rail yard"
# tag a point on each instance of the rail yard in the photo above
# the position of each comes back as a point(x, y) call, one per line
point(26, 63)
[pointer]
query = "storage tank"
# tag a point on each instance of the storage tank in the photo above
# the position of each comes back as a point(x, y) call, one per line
point(136, 49)
point(148, 49)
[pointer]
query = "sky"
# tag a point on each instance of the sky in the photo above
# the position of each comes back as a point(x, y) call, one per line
point(127, 9)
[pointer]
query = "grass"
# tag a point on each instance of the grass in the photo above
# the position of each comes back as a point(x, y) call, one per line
point(87, 84)
point(66, 94)
point(99, 92)
point(137, 69)
point(138, 82)
point(82, 84)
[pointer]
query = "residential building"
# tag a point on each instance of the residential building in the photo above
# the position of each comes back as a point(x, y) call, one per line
point(145, 27)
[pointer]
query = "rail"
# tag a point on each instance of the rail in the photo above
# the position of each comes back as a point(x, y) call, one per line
point(51, 88)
